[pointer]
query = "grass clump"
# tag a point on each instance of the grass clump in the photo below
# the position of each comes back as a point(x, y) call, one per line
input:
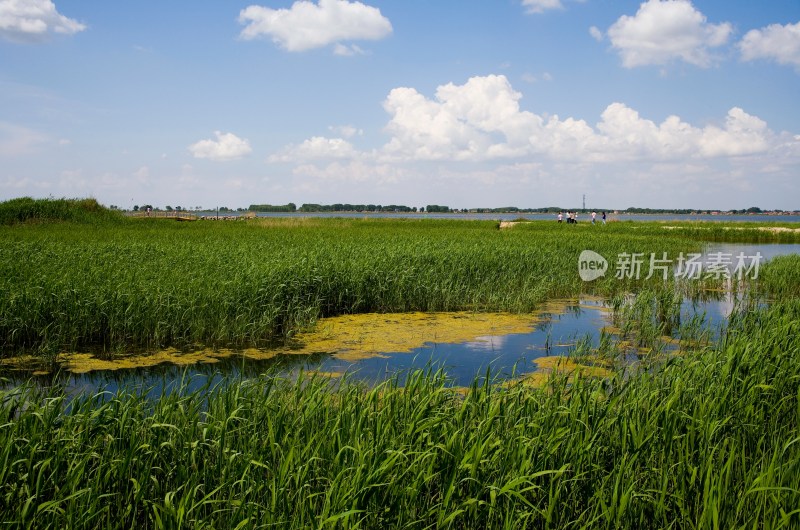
point(28, 210)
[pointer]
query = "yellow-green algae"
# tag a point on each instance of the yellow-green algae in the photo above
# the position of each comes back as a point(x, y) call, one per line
point(568, 366)
point(81, 363)
point(356, 337)
point(346, 337)
point(318, 373)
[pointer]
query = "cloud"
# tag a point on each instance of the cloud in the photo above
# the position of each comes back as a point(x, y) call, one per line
point(476, 120)
point(352, 171)
point(227, 146)
point(596, 34)
point(307, 25)
point(540, 6)
point(316, 148)
point(481, 120)
point(743, 134)
point(474, 140)
point(31, 21)
point(666, 30)
point(776, 42)
point(24, 183)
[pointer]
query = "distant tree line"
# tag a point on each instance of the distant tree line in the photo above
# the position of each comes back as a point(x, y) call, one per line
point(665, 210)
point(291, 207)
point(753, 209)
point(514, 209)
point(338, 207)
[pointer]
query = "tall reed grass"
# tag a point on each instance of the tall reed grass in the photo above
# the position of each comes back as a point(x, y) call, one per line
point(709, 440)
point(145, 284)
point(28, 210)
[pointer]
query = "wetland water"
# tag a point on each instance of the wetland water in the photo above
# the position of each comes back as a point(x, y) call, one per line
point(463, 346)
point(376, 346)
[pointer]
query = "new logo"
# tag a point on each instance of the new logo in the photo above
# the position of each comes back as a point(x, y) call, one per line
point(591, 265)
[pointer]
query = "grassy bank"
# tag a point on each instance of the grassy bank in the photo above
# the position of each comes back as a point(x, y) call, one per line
point(707, 441)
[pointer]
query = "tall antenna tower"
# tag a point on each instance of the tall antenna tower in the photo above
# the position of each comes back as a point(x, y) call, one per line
point(584, 202)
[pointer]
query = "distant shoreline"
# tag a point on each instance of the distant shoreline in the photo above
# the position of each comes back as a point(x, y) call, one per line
point(509, 216)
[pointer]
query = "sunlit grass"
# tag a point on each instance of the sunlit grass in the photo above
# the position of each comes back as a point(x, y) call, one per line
point(156, 284)
point(704, 439)
point(707, 441)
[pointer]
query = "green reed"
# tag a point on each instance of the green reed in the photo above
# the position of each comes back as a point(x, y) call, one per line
point(704, 439)
point(147, 284)
point(781, 277)
point(709, 440)
point(28, 210)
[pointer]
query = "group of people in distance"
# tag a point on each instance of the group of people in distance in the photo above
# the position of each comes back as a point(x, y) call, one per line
point(572, 217)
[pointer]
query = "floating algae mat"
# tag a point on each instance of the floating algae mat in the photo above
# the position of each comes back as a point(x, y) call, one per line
point(565, 366)
point(353, 338)
point(369, 347)
point(465, 345)
point(82, 363)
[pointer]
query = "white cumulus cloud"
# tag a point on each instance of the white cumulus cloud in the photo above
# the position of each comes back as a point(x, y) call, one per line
point(317, 147)
point(743, 134)
point(666, 30)
point(482, 120)
point(307, 25)
point(29, 21)
point(227, 146)
point(776, 42)
point(476, 120)
point(480, 126)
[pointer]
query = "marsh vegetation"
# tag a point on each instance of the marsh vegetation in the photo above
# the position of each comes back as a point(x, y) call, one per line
point(706, 438)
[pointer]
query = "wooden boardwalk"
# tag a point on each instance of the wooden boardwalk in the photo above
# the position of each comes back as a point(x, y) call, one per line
point(175, 214)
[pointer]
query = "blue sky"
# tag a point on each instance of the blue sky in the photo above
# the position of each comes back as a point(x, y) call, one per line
point(471, 103)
